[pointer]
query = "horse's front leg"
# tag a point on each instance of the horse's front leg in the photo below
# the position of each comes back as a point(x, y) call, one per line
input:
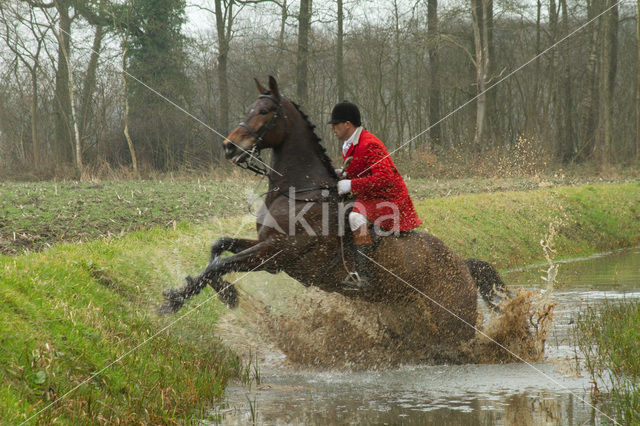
point(258, 257)
point(234, 245)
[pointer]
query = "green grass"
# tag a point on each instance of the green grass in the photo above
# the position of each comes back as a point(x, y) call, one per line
point(36, 215)
point(69, 311)
point(609, 338)
point(505, 228)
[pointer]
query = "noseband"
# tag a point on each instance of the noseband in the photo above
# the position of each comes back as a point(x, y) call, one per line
point(255, 163)
point(258, 136)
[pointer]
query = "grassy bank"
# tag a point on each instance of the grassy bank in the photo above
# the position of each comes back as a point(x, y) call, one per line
point(609, 338)
point(69, 311)
point(506, 228)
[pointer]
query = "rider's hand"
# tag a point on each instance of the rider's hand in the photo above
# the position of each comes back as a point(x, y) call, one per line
point(344, 186)
point(339, 172)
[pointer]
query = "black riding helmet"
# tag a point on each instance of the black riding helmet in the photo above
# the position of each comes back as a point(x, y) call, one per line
point(345, 111)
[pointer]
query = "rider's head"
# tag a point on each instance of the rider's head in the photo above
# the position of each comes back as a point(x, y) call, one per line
point(345, 118)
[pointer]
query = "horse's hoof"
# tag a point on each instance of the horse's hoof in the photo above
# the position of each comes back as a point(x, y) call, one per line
point(173, 301)
point(172, 294)
point(228, 295)
point(169, 307)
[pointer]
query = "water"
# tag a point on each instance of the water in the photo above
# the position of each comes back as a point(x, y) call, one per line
point(548, 392)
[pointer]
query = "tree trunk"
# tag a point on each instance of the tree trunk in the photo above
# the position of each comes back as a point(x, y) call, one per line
point(74, 121)
point(638, 82)
point(435, 97)
point(76, 142)
point(63, 134)
point(302, 59)
point(556, 109)
point(480, 36)
point(532, 118)
point(132, 151)
point(223, 54)
point(397, 94)
point(283, 23)
point(491, 122)
point(566, 143)
point(607, 80)
point(34, 120)
point(90, 82)
point(339, 53)
point(589, 116)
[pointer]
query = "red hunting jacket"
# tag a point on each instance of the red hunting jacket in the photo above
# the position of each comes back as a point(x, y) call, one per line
point(378, 186)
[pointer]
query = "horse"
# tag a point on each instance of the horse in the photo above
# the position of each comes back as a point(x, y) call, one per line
point(301, 232)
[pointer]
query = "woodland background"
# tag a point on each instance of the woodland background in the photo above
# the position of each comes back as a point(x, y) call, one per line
point(89, 87)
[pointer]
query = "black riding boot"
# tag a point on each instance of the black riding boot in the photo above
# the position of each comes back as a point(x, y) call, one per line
point(361, 278)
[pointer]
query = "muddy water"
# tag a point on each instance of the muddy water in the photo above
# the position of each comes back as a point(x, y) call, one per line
point(546, 392)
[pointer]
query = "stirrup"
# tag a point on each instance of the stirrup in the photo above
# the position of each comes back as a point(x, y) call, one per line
point(353, 282)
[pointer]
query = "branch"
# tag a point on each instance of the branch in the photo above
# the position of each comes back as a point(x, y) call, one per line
point(464, 48)
point(41, 4)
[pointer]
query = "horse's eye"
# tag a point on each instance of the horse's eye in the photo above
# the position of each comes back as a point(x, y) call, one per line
point(264, 112)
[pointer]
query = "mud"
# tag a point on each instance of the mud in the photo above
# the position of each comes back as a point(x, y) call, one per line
point(330, 331)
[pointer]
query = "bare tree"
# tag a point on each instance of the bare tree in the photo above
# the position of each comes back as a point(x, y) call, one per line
point(565, 145)
point(89, 84)
point(30, 58)
point(302, 58)
point(340, 52)
point(609, 49)
point(531, 113)
point(480, 11)
point(589, 115)
point(435, 108)
point(284, 15)
point(224, 22)
point(404, 65)
point(65, 50)
point(132, 150)
point(637, 141)
point(63, 135)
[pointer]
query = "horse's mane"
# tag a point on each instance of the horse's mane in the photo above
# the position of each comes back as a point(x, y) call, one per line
point(320, 149)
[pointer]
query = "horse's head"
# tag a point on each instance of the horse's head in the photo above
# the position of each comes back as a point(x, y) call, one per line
point(262, 127)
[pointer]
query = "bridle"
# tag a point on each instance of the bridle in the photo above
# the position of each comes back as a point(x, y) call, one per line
point(255, 163)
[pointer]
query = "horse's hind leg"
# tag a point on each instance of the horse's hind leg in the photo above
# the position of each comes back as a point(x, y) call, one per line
point(489, 283)
point(234, 245)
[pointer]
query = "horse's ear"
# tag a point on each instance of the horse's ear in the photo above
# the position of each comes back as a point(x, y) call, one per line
point(273, 86)
point(260, 87)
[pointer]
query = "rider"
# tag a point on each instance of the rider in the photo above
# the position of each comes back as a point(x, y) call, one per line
point(382, 197)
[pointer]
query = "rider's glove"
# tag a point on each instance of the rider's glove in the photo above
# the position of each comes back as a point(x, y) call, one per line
point(344, 186)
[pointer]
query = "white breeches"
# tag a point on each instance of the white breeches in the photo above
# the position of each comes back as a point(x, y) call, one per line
point(356, 220)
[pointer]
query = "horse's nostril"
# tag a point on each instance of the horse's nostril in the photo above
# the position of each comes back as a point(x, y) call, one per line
point(229, 148)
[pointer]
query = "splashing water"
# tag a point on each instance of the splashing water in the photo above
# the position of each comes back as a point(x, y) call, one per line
point(275, 320)
point(330, 331)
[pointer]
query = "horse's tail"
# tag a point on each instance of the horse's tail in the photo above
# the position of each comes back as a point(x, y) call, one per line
point(490, 285)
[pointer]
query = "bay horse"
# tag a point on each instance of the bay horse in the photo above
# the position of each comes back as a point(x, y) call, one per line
point(300, 231)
